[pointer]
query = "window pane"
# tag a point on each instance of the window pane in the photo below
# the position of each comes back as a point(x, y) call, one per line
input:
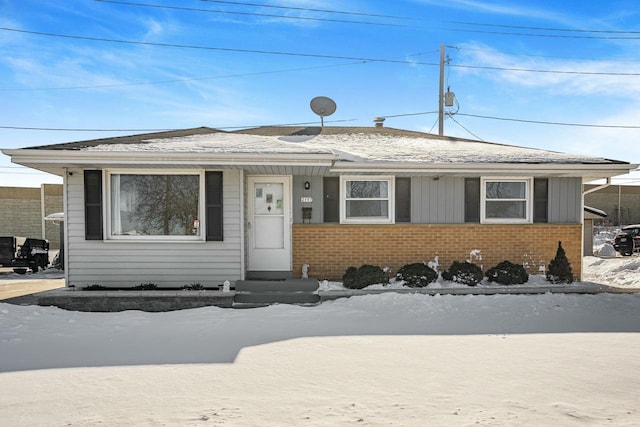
point(367, 209)
point(506, 190)
point(155, 205)
point(506, 210)
point(269, 198)
point(367, 189)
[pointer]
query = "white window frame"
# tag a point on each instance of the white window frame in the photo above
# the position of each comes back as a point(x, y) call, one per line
point(528, 199)
point(141, 238)
point(365, 220)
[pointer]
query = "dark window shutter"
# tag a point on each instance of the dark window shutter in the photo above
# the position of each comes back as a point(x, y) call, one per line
point(213, 201)
point(540, 200)
point(403, 199)
point(472, 200)
point(331, 196)
point(93, 205)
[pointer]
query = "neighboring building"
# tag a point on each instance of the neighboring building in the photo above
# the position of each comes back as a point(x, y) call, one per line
point(22, 212)
point(621, 202)
point(204, 206)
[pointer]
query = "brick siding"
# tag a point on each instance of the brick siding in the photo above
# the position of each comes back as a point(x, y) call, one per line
point(330, 248)
point(21, 212)
point(619, 202)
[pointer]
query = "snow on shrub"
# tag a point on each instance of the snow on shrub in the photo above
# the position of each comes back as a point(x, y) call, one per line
point(417, 275)
point(508, 273)
point(463, 272)
point(358, 278)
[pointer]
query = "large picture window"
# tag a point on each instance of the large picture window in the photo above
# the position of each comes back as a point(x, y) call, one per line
point(367, 199)
point(506, 200)
point(156, 205)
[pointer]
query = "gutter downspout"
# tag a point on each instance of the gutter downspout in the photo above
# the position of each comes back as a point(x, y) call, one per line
point(600, 187)
point(43, 212)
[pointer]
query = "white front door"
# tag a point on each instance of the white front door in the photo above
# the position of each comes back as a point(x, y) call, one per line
point(269, 223)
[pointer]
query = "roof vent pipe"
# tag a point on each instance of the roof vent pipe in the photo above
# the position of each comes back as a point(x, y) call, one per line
point(379, 121)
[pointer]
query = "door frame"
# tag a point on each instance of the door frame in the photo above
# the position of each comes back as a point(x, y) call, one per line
point(287, 191)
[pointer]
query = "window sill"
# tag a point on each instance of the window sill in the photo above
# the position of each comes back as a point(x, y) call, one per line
point(148, 239)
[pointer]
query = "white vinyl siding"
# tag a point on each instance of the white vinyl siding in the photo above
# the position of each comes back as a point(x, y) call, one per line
point(437, 200)
point(167, 264)
point(440, 200)
point(565, 200)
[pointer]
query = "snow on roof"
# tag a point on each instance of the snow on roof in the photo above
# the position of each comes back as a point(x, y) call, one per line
point(595, 211)
point(359, 145)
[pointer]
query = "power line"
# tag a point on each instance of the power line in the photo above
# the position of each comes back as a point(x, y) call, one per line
point(521, 27)
point(557, 36)
point(83, 129)
point(257, 73)
point(306, 9)
point(462, 126)
point(160, 129)
point(308, 55)
point(551, 123)
point(409, 114)
point(541, 122)
point(551, 56)
point(533, 70)
point(305, 18)
point(224, 49)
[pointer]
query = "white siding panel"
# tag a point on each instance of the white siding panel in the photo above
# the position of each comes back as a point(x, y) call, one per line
point(565, 200)
point(167, 264)
point(437, 201)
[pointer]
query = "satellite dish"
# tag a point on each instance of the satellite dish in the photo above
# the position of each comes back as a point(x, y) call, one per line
point(323, 106)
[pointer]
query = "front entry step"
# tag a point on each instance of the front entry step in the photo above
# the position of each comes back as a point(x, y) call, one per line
point(287, 285)
point(260, 293)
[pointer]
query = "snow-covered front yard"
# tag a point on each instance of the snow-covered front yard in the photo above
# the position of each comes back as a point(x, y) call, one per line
point(386, 359)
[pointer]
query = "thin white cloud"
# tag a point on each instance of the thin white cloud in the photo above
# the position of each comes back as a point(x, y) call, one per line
point(154, 29)
point(476, 54)
point(496, 8)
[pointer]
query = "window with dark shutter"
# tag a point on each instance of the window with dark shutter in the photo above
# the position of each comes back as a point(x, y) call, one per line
point(331, 197)
point(540, 200)
point(403, 199)
point(472, 200)
point(93, 204)
point(213, 198)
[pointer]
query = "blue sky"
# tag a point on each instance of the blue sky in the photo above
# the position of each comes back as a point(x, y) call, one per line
point(84, 64)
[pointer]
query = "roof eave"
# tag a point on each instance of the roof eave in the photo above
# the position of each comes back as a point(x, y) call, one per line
point(584, 170)
point(24, 156)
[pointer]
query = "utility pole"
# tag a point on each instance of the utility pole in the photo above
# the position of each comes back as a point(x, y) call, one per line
point(441, 94)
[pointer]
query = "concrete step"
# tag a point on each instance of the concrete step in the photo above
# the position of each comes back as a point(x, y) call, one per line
point(288, 285)
point(276, 298)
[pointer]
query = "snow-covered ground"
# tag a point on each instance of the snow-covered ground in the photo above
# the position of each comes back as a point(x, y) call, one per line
point(386, 359)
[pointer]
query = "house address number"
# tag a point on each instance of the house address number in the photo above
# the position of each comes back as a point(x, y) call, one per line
point(306, 199)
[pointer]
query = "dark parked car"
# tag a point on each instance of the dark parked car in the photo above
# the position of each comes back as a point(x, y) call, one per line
point(628, 240)
point(24, 252)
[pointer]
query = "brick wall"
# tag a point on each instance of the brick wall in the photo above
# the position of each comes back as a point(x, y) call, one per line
point(330, 248)
point(619, 202)
point(21, 211)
